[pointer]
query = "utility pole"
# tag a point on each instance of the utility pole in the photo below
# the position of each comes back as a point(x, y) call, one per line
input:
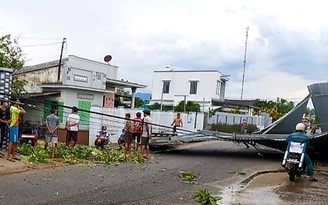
point(60, 59)
point(242, 83)
point(162, 97)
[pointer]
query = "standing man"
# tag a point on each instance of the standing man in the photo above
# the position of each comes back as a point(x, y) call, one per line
point(52, 122)
point(243, 129)
point(137, 130)
point(72, 126)
point(146, 134)
point(128, 132)
point(4, 122)
point(177, 122)
point(15, 111)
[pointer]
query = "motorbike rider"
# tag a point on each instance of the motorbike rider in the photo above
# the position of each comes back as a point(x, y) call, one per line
point(300, 136)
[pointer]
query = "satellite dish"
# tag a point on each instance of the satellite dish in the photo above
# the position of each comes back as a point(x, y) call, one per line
point(107, 58)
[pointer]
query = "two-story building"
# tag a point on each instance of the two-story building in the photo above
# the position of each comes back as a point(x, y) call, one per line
point(76, 82)
point(200, 86)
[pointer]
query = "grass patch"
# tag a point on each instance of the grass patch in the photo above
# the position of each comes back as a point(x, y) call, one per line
point(188, 177)
point(78, 154)
point(204, 196)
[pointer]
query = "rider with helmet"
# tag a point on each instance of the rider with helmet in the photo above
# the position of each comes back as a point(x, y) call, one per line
point(300, 136)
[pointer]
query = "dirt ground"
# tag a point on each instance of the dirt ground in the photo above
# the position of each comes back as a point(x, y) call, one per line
point(275, 188)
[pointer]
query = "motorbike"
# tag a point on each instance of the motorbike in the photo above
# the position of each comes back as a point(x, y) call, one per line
point(293, 159)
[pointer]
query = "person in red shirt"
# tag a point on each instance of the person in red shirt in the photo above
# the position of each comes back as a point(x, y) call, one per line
point(137, 130)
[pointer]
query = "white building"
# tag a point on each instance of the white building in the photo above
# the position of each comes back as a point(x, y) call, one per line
point(200, 86)
point(77, 82)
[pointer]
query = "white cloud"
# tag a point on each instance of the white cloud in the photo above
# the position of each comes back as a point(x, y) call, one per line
point(286, 38)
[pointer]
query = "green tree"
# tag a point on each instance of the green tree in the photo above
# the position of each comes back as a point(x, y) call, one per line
point(276, 109)
point(139, 102)
point(155, 106)
point(190, 107)
point(11, 57)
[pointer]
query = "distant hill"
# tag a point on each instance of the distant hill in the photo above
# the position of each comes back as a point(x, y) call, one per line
point(143, 96)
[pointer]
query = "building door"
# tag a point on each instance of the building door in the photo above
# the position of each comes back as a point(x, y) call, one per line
point(84, 116)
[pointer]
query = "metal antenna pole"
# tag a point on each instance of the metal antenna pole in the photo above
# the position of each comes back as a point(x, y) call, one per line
point(244, 69)
point(60, 59)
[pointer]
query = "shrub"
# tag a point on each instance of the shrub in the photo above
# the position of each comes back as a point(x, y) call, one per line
point(203, 196)
point(188, 177)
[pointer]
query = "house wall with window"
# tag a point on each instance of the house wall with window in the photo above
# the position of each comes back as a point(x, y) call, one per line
point(170, 87)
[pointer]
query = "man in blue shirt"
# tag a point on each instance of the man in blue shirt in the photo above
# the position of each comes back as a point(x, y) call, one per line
point(299, 136)
point(102, 138)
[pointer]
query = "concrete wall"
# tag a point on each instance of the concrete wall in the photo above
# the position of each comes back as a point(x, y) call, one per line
point(87, 73)
point(33, 78)
point(236, 119)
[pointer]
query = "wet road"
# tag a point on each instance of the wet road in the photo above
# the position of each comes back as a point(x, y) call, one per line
point(156, 182)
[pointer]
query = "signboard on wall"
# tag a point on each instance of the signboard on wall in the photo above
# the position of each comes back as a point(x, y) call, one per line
point(109, 99)
point(85, 96)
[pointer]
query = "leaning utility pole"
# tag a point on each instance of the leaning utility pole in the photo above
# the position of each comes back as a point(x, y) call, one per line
point(60, 59)
point(243, 81)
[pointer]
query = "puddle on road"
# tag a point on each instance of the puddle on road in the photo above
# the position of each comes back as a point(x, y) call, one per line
point(257, 192)
point(275, 188)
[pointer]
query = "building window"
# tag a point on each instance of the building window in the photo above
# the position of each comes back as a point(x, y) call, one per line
point(193, 87)
point(98, 76)
point(166, 86)
point(218, 87)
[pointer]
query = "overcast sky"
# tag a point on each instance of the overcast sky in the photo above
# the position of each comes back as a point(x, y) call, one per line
point(287, 44)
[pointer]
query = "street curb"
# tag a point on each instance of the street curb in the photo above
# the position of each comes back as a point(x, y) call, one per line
point(252, 176)
point(23, 169)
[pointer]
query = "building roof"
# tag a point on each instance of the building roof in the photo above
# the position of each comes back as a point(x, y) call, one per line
point(40, 66)
point(63, 86)
point(43, 94)
point(229, 102)
point(118, 83)
point(6, 69)
point(223, 77)
point(51, 64)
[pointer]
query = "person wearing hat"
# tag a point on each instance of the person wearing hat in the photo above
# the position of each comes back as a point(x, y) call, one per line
point(72, 126)
point(15, 111)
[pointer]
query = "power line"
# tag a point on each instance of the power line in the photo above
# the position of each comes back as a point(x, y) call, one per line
point(92, 112)
point(44, 44)
point(36, 38)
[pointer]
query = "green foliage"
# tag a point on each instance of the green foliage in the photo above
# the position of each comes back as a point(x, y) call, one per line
point(39, 155)
point(11, 56)
point(232, 128)
point(24, 149)
point(211, 112)
point(139, 102)
point(190, 107)
point(80, 153)
point(155, 106)
point(236, 110)
point(276, 109)
point(188, 177)
point(203, 196)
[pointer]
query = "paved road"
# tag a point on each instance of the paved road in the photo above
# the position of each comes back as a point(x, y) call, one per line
point(156, 182)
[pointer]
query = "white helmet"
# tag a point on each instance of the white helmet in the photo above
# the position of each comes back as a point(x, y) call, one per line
point(300, 127)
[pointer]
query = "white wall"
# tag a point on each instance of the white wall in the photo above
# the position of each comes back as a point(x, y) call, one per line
point(180, 85)
point(235, 119)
